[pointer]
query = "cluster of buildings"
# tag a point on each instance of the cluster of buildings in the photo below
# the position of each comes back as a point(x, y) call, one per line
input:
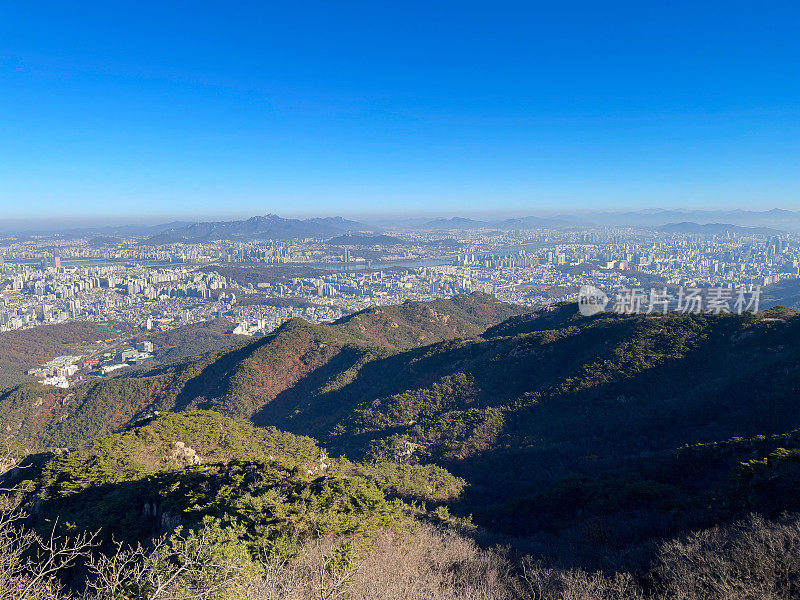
point(57, 371)
point(131, 355)
point(47, 281)
point(56, 252)
point(64, 370)
point(31, 294)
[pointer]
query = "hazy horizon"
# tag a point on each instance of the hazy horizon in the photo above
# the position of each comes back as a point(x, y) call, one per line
point(56, 225)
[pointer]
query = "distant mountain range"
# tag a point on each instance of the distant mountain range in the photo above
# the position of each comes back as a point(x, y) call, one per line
point(453, 223)
point(108, 231)
point(270, 226)
point(715, 229)
point(366, 240)
point(456, 223)
point(770, 222)
point(262, 227)
point(776, 218)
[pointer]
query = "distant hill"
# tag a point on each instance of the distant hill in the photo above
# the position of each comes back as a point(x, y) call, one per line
point(22, 229)
point(260, 227)
point(533, 223)
point(453, 223)
point(366, 240)
point(775, 218)
point(191, 341)
point(784, 293)
point(715, 229)
point(338, 223)
point(103, 240)
point(22, 349)
point(529, 222)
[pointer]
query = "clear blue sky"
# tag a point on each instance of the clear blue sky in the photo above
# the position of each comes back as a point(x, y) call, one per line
point(200, 109)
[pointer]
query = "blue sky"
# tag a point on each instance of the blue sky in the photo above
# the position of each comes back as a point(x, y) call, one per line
point(200, 109)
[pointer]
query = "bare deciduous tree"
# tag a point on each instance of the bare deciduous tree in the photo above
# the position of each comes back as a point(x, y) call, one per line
point(176, 568)
point(753, 559)
point(30, 563)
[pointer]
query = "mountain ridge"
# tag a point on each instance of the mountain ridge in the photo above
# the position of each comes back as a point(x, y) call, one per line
point(37, 414)
point(561, 427)
point(687, 227)
point(268, 226)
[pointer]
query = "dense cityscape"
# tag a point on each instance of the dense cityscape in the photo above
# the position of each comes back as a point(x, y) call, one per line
point(157, 284)
point(258, 284)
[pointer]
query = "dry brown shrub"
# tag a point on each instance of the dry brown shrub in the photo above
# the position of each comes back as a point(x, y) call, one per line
point(756, 559)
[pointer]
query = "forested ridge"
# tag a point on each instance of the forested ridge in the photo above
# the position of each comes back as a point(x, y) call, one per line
point(587, 444)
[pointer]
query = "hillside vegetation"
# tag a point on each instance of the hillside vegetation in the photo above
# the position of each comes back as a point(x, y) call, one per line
point(234, 376)
point(181, 469)
point(629, 453)
point(227, 511)
point(562, 427)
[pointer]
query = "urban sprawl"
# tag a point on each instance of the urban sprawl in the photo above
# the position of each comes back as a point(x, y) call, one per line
point(257, 285)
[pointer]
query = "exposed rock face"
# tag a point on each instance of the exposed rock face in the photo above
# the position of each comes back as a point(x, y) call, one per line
point(185, 454)
point(406, 451)
point(169, 521)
